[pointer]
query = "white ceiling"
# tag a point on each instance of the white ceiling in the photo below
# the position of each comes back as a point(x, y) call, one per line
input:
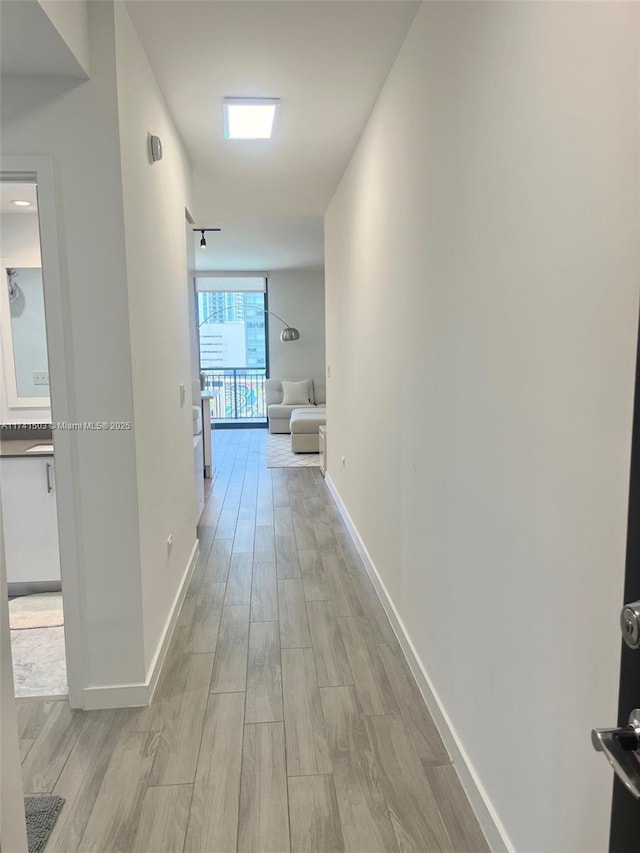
point(325, 59)
point(10, 191)
point(263, 245)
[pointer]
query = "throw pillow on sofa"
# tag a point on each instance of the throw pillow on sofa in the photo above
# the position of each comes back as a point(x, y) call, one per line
point(295, 393)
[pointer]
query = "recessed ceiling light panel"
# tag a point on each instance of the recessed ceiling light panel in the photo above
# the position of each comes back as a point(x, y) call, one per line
point(249, 118)
point(20, 202)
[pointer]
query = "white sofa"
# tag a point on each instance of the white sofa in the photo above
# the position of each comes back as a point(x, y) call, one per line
point(279, 414)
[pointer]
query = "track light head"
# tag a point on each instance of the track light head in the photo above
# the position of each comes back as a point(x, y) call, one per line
point(203, 231)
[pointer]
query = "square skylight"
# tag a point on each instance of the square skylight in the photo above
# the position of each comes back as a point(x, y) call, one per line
point(249, 118)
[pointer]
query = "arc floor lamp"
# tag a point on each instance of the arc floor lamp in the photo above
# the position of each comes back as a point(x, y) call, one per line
point(289, 333)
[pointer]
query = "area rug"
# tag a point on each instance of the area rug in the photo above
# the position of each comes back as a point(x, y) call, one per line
point(280, 455)
point(39, 664)
point(41, 814)
point(36, 611)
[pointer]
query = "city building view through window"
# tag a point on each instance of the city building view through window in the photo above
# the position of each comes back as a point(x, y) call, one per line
point(233, 354)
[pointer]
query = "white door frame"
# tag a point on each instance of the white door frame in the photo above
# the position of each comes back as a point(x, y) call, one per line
point(63, 409)
point(13, 835)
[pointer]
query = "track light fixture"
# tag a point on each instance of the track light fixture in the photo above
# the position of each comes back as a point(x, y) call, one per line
point(203, 231)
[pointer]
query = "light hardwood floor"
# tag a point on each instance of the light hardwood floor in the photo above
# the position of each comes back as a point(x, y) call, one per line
point(286, 718)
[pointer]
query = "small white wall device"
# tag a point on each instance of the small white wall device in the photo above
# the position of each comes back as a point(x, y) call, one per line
point(155, 148)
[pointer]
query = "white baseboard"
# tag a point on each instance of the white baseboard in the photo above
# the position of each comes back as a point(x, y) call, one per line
point(141, 694)
point(115, 696)
point(163, 646)
point(490, 823)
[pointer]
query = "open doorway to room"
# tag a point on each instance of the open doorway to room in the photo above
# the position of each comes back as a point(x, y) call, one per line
point(233, 333)
point(27, 460)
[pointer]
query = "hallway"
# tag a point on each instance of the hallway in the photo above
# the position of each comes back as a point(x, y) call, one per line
point(286, 717)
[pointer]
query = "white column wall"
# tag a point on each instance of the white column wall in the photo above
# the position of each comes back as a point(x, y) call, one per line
point(482, 268)
point(155, 196)
point(298, 297)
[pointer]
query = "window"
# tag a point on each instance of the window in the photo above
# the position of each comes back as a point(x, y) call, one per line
point(233, 348)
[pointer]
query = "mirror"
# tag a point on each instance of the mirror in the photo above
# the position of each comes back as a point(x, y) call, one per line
point(22, 317)
point(28, 331)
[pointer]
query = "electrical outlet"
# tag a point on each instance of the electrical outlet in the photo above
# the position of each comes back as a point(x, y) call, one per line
point(40, 377)
point(183, 394)
point(169, 542)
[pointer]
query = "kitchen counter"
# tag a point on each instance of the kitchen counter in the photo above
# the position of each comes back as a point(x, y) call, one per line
point(18, 447)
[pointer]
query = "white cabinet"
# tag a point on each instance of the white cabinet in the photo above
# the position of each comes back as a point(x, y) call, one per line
point(198, 465)
point(30, 519)
point(207, 437)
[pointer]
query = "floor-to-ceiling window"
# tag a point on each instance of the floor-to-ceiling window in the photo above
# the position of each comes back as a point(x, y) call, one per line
point(233, 346)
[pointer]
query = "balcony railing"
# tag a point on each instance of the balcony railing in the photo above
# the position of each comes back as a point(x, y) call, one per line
point(237, 393)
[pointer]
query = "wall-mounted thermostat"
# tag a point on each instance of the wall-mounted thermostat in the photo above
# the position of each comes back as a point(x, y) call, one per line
point(155, 148)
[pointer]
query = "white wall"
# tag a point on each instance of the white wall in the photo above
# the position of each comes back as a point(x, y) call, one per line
point(121, 222)
point(13, 836)
point(155, 197)
point(77, 125)
point(19, 239)
point(482, 284)
point(193, 305)
point(298, 297)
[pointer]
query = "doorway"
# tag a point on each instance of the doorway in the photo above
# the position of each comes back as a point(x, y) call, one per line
point(30, 279)
point(27, 467)
point(625, 813)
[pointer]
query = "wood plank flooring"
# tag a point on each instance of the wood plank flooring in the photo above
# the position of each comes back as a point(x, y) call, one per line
point(286, 719)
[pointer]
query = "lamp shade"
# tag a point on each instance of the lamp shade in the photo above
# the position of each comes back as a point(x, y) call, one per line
point(289, 334)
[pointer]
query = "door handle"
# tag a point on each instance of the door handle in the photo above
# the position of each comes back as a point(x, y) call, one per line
point(622, 750)
point(49, 483)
